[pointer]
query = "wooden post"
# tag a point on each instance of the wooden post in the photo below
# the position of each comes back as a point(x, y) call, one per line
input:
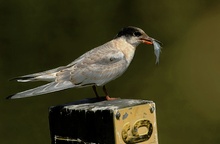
point(121, 121)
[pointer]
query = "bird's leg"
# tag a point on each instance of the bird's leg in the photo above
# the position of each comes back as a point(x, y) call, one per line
point(106, 94)
point(95, 91)
point(105, 91)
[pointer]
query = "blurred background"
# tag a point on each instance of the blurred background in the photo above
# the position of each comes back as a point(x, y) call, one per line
point(38, 35)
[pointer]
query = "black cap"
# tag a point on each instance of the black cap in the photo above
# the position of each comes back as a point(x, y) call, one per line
point(129, 31)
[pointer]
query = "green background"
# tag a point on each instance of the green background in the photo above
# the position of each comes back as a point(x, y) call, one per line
point(37, 35)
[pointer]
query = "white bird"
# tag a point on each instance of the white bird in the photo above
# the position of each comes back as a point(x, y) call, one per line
point(94, 68)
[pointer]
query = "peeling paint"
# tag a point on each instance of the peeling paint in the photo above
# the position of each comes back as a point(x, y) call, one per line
point(118, 115)
point(152, 107)
point(124, 116)
point(68, 139)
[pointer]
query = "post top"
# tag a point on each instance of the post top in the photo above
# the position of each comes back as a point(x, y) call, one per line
point(93, 105)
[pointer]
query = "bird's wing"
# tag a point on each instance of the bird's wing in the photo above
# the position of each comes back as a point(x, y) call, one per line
point(48, 88)
point(105, 57)
point(95, 67)
point(51, 75)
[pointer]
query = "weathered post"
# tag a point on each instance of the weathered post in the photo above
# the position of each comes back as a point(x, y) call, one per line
point(91, 121)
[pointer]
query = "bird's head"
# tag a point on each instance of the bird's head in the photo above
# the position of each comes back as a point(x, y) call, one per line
point(134, 36)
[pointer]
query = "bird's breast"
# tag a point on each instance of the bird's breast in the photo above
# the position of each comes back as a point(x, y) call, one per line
point(127, 49)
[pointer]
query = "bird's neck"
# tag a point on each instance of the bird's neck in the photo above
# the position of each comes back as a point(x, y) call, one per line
point(126, 48)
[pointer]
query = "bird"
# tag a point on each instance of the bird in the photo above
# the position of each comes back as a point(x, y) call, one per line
point(94, 68)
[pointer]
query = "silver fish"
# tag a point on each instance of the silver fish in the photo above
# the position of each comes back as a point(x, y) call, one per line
point(157, 49)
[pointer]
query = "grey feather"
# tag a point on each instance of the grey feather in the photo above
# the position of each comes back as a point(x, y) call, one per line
point(48, 88)
point(48, 75)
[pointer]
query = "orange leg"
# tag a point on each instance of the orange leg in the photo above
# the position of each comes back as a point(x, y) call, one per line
point(106, 94)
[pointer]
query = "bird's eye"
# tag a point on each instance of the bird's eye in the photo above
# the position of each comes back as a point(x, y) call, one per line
point(137, 34)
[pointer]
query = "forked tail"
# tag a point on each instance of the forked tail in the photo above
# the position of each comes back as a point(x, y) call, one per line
point(48, 88)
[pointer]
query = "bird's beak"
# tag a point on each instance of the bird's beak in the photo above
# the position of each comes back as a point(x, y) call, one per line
point(146, 39)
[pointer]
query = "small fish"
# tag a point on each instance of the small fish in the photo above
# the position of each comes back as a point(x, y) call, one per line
point(157, 49)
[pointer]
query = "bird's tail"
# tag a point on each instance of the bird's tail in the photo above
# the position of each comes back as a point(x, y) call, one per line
point(50, 87)
point(34, 77)
point(49, 75)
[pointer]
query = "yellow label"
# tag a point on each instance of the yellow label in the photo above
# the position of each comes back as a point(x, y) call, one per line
point(136, 124)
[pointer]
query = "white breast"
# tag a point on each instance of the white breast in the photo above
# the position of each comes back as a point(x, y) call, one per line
point(127, 49)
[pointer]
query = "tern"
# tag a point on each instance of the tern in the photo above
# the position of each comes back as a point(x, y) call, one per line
point(96, 67)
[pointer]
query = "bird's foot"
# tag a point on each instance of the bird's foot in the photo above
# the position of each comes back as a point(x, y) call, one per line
point(108, 98)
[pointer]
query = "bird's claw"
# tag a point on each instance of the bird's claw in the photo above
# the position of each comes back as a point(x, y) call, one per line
point(108, 98)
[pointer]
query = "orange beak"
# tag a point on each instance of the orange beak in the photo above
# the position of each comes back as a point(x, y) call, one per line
point(147, 40)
